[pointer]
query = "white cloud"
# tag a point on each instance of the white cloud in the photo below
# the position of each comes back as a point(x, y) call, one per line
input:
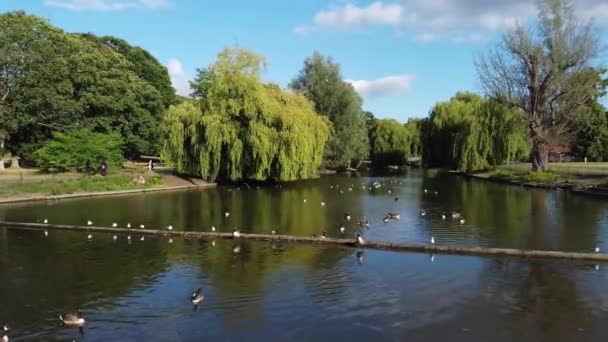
point(350, 16)
point(179, 79)
point(384, 86)
point(455, 20)
point(107, 5)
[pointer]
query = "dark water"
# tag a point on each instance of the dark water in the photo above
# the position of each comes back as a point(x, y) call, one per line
point(139, 291)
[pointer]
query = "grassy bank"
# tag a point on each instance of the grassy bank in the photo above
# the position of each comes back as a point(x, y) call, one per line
point(69, 184)
point(561, 175)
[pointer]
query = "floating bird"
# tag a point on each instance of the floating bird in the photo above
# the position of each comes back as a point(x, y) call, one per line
point(236, 249)
point(455, 215)
point(89, 223)
point(396, 199)
point(90, 236)
point(363, 224)
point(342, 229)
point(4, 333)
point(393, 216)
point(386, 219)
point(129, 225)
point(443, 216)
point(360, 240)
point(114, 237)
point(273, 232)
point(142, 226)
point(212, 228)
point(422, 213)
point(360, 256)
point(322, 204)
point(129, 238)
point(170, 240)
point(72, 318)
point(436, 193)
point(323, 236)
point(347, 216)
point(350, 189)
point(236, 233)
point(597, 267)
point(45, 221)
point(341, 192)
point(597, 249)
point(227, 214)
point(142, 238)
point(432, 257)
point(389, 192)
point(114, 225)
point(46, 233)
point(331, 186)
point(197, 296)
point(432, 240)
point(462, 221)
point(170, 227)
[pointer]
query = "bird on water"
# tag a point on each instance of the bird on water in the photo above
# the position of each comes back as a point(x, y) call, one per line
point(212, 228)
point(72, 318)
point(114, 225)
point(342, 229)
point(4, 333)
point(197, 296)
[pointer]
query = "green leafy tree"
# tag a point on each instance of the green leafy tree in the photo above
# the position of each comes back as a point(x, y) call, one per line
point(392, 142)
point(146, 66)
point(592, 132)
point(469, 133)
point(242, 128)
point(54, 81)
point(544, 73)
point(321, 82)
point(76, 149)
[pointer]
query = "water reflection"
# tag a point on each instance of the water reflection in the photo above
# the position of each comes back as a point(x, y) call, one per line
point(288, 291)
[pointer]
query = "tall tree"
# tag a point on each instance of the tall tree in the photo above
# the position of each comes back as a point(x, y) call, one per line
point(544, 72)
point(146, 66)
point(392, 142)
point(242, 128)
point(321, 82)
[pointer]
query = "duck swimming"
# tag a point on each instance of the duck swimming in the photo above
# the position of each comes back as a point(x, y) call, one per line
point(72, 318)
point(364, 224)
point(347, 216)
point(342, 229)
point(393, 216)
point(4, 333)
point(197, 296)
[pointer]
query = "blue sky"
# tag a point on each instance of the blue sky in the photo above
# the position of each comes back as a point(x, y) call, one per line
point(402, 56)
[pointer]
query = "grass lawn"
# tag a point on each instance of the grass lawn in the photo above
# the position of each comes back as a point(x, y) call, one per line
point(578, 174)
point(18, 182)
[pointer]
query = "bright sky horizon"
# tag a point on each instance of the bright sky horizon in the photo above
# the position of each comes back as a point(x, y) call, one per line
point(402, 56)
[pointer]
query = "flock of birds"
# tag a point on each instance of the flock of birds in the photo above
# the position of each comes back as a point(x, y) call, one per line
point(197, 297)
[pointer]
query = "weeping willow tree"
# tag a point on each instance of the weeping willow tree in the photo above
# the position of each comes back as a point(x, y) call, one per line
point(470, 133)
point(242, 129)
point(392, 142)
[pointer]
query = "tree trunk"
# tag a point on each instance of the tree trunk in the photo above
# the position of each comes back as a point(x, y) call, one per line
point(15, 162)
point(2, 164)
point(540, 157)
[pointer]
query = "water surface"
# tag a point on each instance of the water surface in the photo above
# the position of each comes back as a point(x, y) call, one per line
point(138, 291)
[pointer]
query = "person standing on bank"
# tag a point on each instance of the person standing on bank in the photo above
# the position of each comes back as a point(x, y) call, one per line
point(103, 168)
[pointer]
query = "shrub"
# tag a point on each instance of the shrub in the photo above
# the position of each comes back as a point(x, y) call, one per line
point(71, 151)
point(541, 177)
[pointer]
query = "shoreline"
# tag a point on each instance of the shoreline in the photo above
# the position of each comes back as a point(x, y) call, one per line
point(38, 198)
point(591, 190)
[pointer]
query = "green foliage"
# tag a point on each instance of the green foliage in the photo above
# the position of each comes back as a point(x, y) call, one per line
point(243, 128)
point(72, 151)
point(82, 184)
point(55, 81)
point(146, 66)
point(392, 143)
point(592, 133)
point(541, 177)
point(320, 81)
point(469, 133)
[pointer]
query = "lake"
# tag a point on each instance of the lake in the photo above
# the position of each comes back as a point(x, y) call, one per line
point(139, 290)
